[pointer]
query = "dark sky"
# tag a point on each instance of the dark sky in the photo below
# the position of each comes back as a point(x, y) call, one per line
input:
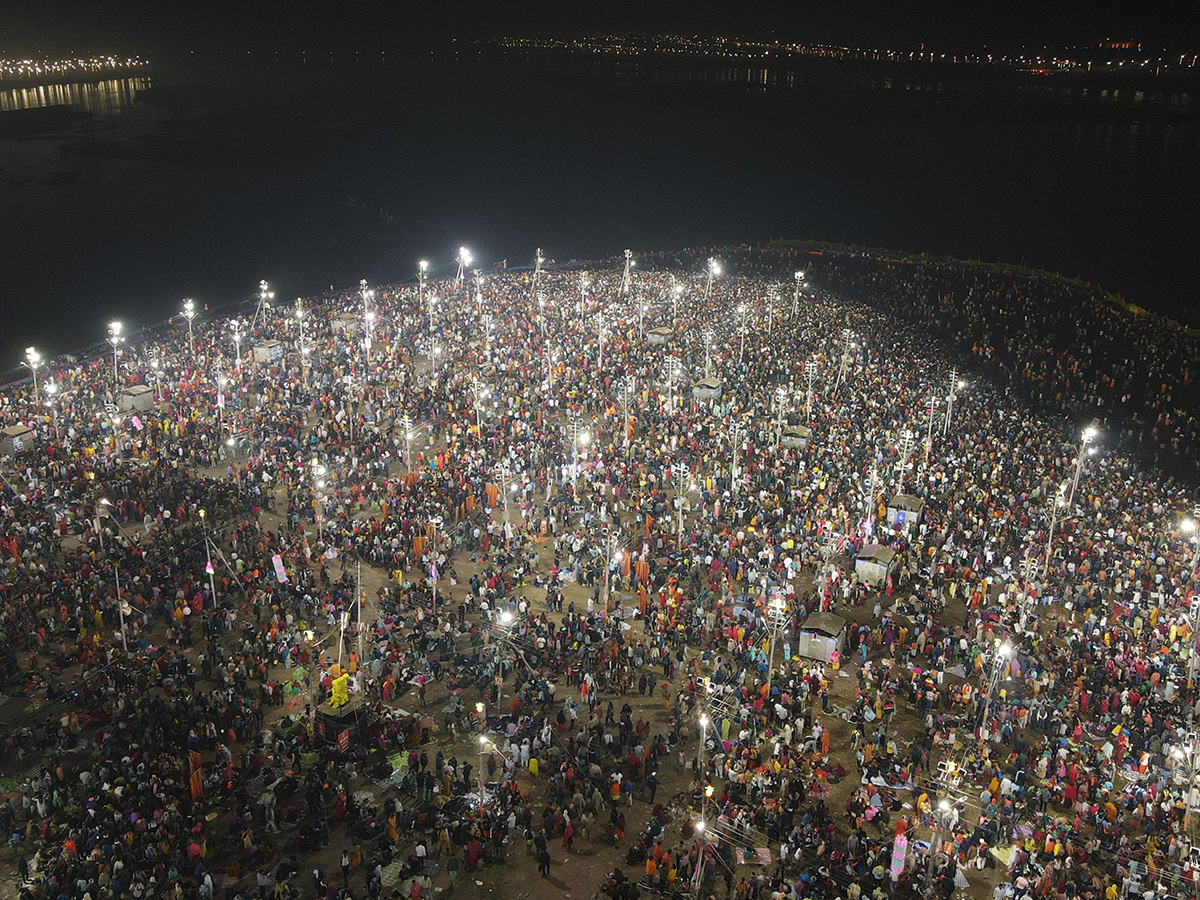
point(159, 27)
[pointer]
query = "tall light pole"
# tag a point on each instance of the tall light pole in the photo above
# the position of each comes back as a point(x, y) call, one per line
point(238, 332)
point(737, 433)
point(464, 261)
point(409, 431)
point(51, 388)
point(156, 365)
point(422, 269)
point(33, 361)
point(796, 295)
point(905, 449)
point(318, 475)
point(189, 313)
point(221, 382)
point(781, 394)
point(707, 335)
point(777, 619)
point(870, 495)
point(584, 284)
point(933, 401)
point(742, 311)
point(771, 297)
point(810, 379)
point(208, 567)
point(676, 293)
point(673, 371)
point(480, 393)
point(956, 384)
point(367, 295)
point(627, 275)
point(1188, 753)
point(121, 606)
point(537, 273)
point(714, 269)
point(703, 741)
point(1088, 437)
point(601, 334)
point(504, 477)
point(847, 356)
point(1057, 502)
point(478, 276)
point(301, 346)
point(114, 338)
point(681, 472)
point(577, 432)
point(265, 296)
point(613, 554)
point(627, 390)
point(999, 659)
point(1192, 527)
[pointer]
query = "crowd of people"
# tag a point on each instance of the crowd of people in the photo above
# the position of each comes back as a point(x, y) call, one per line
point(503, 493)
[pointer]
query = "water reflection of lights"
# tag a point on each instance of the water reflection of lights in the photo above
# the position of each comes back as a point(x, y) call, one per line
point(114, 95)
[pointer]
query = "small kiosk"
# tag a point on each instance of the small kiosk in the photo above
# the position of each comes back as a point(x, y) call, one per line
point(874, 563)
point(659, 336)
point(821, 635)
point(795, 437)
point(707, 389)
point(268, 351)
point(15, 438)
point(138, 398)
point(904, 510)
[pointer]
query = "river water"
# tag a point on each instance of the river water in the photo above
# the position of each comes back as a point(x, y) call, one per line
point(323, 172)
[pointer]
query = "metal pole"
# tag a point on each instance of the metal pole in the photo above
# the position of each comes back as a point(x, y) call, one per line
point(120, 608)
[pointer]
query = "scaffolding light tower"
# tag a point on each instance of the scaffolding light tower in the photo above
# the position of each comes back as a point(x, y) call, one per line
point(796, 295)
point(627, 275)
point(265, 296)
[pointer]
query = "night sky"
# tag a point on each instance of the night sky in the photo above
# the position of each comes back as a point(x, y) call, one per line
point(166, 28)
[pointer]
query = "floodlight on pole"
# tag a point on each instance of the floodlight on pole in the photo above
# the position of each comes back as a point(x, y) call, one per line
point(237, 330)
point(368, 325)
point(737, 433)
point(115, 338)
point(189, 313)
point(33, 361)
point(265, 296)
point(714, 269)
point(796, 294)
point(464, 261)
point(1086, 439)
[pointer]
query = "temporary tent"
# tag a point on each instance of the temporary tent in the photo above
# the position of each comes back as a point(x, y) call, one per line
point(821, 634)
point(659, 335)
point(874, 563)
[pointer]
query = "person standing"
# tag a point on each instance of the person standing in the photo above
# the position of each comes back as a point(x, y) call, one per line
point(544, 862)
